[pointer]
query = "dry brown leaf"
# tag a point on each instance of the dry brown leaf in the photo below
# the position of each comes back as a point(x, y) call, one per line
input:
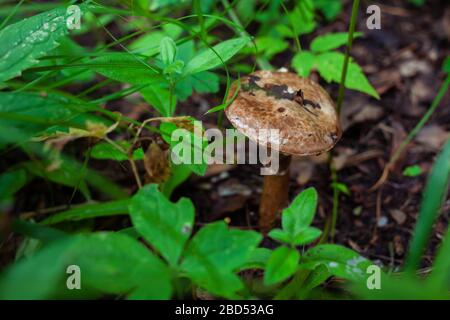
point(156, 163)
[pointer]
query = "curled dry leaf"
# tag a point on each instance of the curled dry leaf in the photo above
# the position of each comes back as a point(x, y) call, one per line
point(156, 163)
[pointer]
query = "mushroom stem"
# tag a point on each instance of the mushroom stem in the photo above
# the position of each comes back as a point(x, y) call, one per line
point(274, 196)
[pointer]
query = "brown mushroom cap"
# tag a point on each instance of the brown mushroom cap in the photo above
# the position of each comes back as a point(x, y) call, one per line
point(299, 108)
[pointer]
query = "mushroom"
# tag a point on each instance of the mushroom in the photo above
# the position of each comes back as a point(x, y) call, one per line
point(300, 109)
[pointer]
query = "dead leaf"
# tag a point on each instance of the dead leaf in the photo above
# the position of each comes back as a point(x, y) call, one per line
point(432, 137)
point(398, 215)
point(156, 163)
point(398, 245)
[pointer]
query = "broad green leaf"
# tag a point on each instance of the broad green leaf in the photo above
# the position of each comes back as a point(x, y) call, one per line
point(330, 8)
point(168, 50)
point(32, 113)
point(331, 41)
point(126, 68)
point(300, 20)
point(106, 151)
point(280, 235)
point(303, 62)
point(165, 225)
point(158, 96)
point(440, 276)
point(433, 197)
point(300, 214)
point(148, 44)
point(215, 253)
point(281, 265)
point(178, 174)
point(268, 46)
point(306, 236)
point(186, 147)
point(257, 260)
point(340, 261)
point(203, 82)
point(317, 276)
point(65, 175)
point(89, 211)
point(412, 171)
point(330, 64)
point(109, 262)
point(209, 59)
point(24, 42)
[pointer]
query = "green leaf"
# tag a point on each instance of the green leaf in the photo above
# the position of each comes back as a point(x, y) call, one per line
point(158, 96)
point(24, 42)
point(303, 62)
point(109, 262)
point(341, 187)
point(300, 20)
point(148, 44)
point(209, 58)
point(280, 235)
point(281, 265)
point(203, 82)
point(433, 198)
point(307, 236)
point(257, 260)
point(186, 147)
point(300, 214)
point(106, 151)
point(10, 183)
point(65, 175)
point(165, 225)
point(89, 211)
point(340, 261)
point(330, 8)
point(331, 41)
point(126, 68)
point(33, 113)
point(446, 65)
point(178, 174)
point(412, 171)
point(168, 50)
point(269, 46)
point(330, 64)
point(215, 253)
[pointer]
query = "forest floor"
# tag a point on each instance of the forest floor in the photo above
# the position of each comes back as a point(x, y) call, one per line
point(403, 61)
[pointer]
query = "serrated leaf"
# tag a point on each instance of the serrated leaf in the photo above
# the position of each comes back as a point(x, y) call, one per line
point(331, 41)
point(281, 265)
point(215, 253)
point(209, 58)
point(330, 64)
point(303, 62)
point(300, 214)
point(165, 225)
point(203, 82)
point(24, 42)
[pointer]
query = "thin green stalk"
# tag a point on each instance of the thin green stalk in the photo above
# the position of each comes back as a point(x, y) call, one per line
point(351, 30)
point(442, 90)
point(334, 175)
point(11, 14)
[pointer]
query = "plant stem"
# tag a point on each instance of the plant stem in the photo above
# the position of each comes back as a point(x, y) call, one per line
point(334, 176)
point(351, 30)
point(423, 120)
